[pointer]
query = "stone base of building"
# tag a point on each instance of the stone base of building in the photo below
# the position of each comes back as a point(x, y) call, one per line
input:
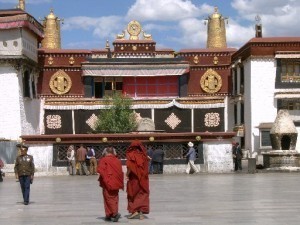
point(281, 159)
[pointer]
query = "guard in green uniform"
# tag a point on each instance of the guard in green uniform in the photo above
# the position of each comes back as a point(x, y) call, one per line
point(24, 169)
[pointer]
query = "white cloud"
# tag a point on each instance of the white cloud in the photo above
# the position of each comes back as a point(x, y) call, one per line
point(279, 18)
point(238, 35)
point(103, 27)
point(165, 10)
point(193, 33)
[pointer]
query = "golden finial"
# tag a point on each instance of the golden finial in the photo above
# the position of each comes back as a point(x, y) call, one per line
point(216, 31)
point(52, 32)
point(107, 45)
point(22, 5)
point(147, 36)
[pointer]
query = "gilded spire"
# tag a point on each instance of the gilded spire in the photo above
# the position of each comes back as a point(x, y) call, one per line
point(51, 25)
point(21, 4)
point(216, 31)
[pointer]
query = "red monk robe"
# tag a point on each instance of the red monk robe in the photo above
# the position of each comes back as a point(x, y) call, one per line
point(111, 180)
point(138, 180)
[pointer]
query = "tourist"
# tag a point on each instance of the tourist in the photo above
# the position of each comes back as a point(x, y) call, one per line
point(191, 157)
point(150, 155)
point(81, 157)
point(24, 168)
point(137, 180)
point(158, 160)
point(91, 156)
point(71, 160)
point(1, 173)
point(18, 154)
point(111, 180)
point(237, 156)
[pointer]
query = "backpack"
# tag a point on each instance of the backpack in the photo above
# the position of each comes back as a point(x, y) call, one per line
point(90, 153)
point(69, 153)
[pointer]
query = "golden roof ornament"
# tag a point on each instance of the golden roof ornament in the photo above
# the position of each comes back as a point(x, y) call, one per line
point(60, 83)
point(211, 81)
point(216, 30)
point(134, 29)
point(21, 5)
point(52, 38)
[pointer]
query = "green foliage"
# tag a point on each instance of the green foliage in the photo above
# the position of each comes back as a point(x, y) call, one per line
point(118, 118)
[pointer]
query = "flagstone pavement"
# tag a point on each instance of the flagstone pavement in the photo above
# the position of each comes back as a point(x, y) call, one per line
point(242, 198)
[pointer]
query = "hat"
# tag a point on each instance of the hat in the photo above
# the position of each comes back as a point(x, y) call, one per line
point(18, 145)
point(23, 147)
point(190, 144)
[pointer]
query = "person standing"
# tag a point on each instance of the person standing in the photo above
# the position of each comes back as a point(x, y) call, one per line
point(24, 168)
point(150, 155)
point(93, 162)
point(191, 157)
point(71, 160)
point(1, 173)
point(81, 157)
point(111, 180)
point(158, 160)
point(18, 153)
point(237, 156)
point(137, 180)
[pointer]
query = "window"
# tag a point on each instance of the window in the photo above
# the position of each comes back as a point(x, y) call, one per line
point(265, 140)
point(290, 71)
point(107, 86)
point(290, 105)
point(26, 84)
point(33, 88)
point(152, 86)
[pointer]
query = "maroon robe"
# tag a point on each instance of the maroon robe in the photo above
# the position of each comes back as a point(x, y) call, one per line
point(111, 180)
point(138, 180)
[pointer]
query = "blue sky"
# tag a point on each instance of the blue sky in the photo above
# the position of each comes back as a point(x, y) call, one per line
point(176, 24)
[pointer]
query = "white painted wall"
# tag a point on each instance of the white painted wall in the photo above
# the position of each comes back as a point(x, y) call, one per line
point(10, 115)
point(10, 42)
point(19, 43)
point(18, 116)
point(29, 45)
point(260, 105)
point(218, 156)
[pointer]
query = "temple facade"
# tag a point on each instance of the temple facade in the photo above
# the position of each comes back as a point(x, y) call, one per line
point(201, 95)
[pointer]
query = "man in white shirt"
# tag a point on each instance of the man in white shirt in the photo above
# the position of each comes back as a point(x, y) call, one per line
point(71, 160)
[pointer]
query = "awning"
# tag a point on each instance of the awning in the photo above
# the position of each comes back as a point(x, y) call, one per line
point(287, 56)
point(135, 70)
point(287, 95)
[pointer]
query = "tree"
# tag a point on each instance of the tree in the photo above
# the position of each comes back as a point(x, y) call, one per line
point(119, 117)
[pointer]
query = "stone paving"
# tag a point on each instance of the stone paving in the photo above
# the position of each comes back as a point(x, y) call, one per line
point(260, 198)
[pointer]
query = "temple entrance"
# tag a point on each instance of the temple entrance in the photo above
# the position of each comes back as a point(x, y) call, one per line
point(285, 142)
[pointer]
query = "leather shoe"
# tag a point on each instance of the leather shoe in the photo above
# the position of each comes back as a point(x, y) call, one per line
point(116, 217)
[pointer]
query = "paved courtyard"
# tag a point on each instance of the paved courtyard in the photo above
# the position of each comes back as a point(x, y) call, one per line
point(261, 198)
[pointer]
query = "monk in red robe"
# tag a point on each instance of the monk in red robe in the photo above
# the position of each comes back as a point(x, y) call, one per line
point(111, 180)
point(137, 180)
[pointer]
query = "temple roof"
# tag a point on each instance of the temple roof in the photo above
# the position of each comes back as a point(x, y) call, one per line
point(16, 18)
point(134, 67)
point(135, 60)
point(192, 50)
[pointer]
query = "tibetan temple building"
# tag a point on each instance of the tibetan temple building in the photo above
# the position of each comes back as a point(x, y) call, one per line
point(52, 97)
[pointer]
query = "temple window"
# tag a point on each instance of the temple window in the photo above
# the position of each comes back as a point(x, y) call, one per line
point(290, 71)
point(107, 86)
point(26, 84)
point(265, 140)
point(264, 135)
point(165, 86)
point(290, 104)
